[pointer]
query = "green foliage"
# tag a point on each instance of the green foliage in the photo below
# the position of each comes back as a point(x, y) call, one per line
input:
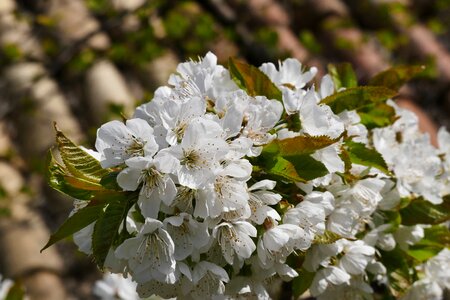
point(342, 75)
point(281, 168)
point(58, 178)
point(392, 217)
point(106, 229)
point(268, 38)
point(299, 145)
point(358, 97)
point(109, 181)
point(176, 24)
point(81, 61)
point(252, 80)
point(360, 154)
point(421, 211)
point(291, 158)
point(81, 176)
point(77, 161)
point(435, 239)
point(308, 39)
point(302, 282)
point(395, 77)
point(397, 263)
point(377, 115)
point(10, 53)
point(16, 292)
point(79, 220)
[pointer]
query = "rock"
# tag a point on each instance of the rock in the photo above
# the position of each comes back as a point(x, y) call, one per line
point(105, 87)
point(74, 22)
point(44, 286)
point(39, 103)
point(156, 73)
point(127, 5)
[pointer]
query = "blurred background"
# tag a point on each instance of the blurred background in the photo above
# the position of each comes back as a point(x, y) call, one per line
point(84, 62)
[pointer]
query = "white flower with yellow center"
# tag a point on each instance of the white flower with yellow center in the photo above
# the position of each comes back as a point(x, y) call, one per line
point(235, 240)
point(196, 159)
point(187, 234)
point(118, 142)
point(157, 186)
point(150, 254)
point(207, 281)
point(260, 199)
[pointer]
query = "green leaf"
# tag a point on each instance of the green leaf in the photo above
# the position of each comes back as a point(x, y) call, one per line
point(398, 268)
point(435, 239)
point(106, 229)
point(421, 211)
point(395, 77)
point(342, 75)
point(299, 145)
point(60, 179)
point(392, 217)
point(302, 282)
point(282, 168)
point(79, 220)
point(77, 161)
point(291, 158)
point(328, 237)
point(357, 97)
point(252, 80)
point(57, 178)
point(359, 154)
point(307, 167)
point(377, 115)
point(16, 292)
point(109, 181)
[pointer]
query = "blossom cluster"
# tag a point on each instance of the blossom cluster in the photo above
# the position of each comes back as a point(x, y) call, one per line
point(218, 214)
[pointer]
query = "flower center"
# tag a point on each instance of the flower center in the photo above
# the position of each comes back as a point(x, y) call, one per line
point(184, 199)
point(191, 159)
point(136, 147)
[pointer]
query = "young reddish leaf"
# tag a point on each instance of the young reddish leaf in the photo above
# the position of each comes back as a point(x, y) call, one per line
point(395, 77)
point(77, 161)
point(357, 97)
point(253, 80)
point(301, 145)
point(57, 178)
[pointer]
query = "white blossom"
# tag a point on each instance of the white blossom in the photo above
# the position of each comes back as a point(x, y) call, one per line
point(328, 277)
point(196, 159)
point(150, 254)
point(260, 199)
point(187, 234)
point(115, 286)
point(117, 141)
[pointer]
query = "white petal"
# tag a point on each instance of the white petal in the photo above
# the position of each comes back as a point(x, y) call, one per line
point(129, 179)
point(149, 204)
point(167, 195)
point(263, 185)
